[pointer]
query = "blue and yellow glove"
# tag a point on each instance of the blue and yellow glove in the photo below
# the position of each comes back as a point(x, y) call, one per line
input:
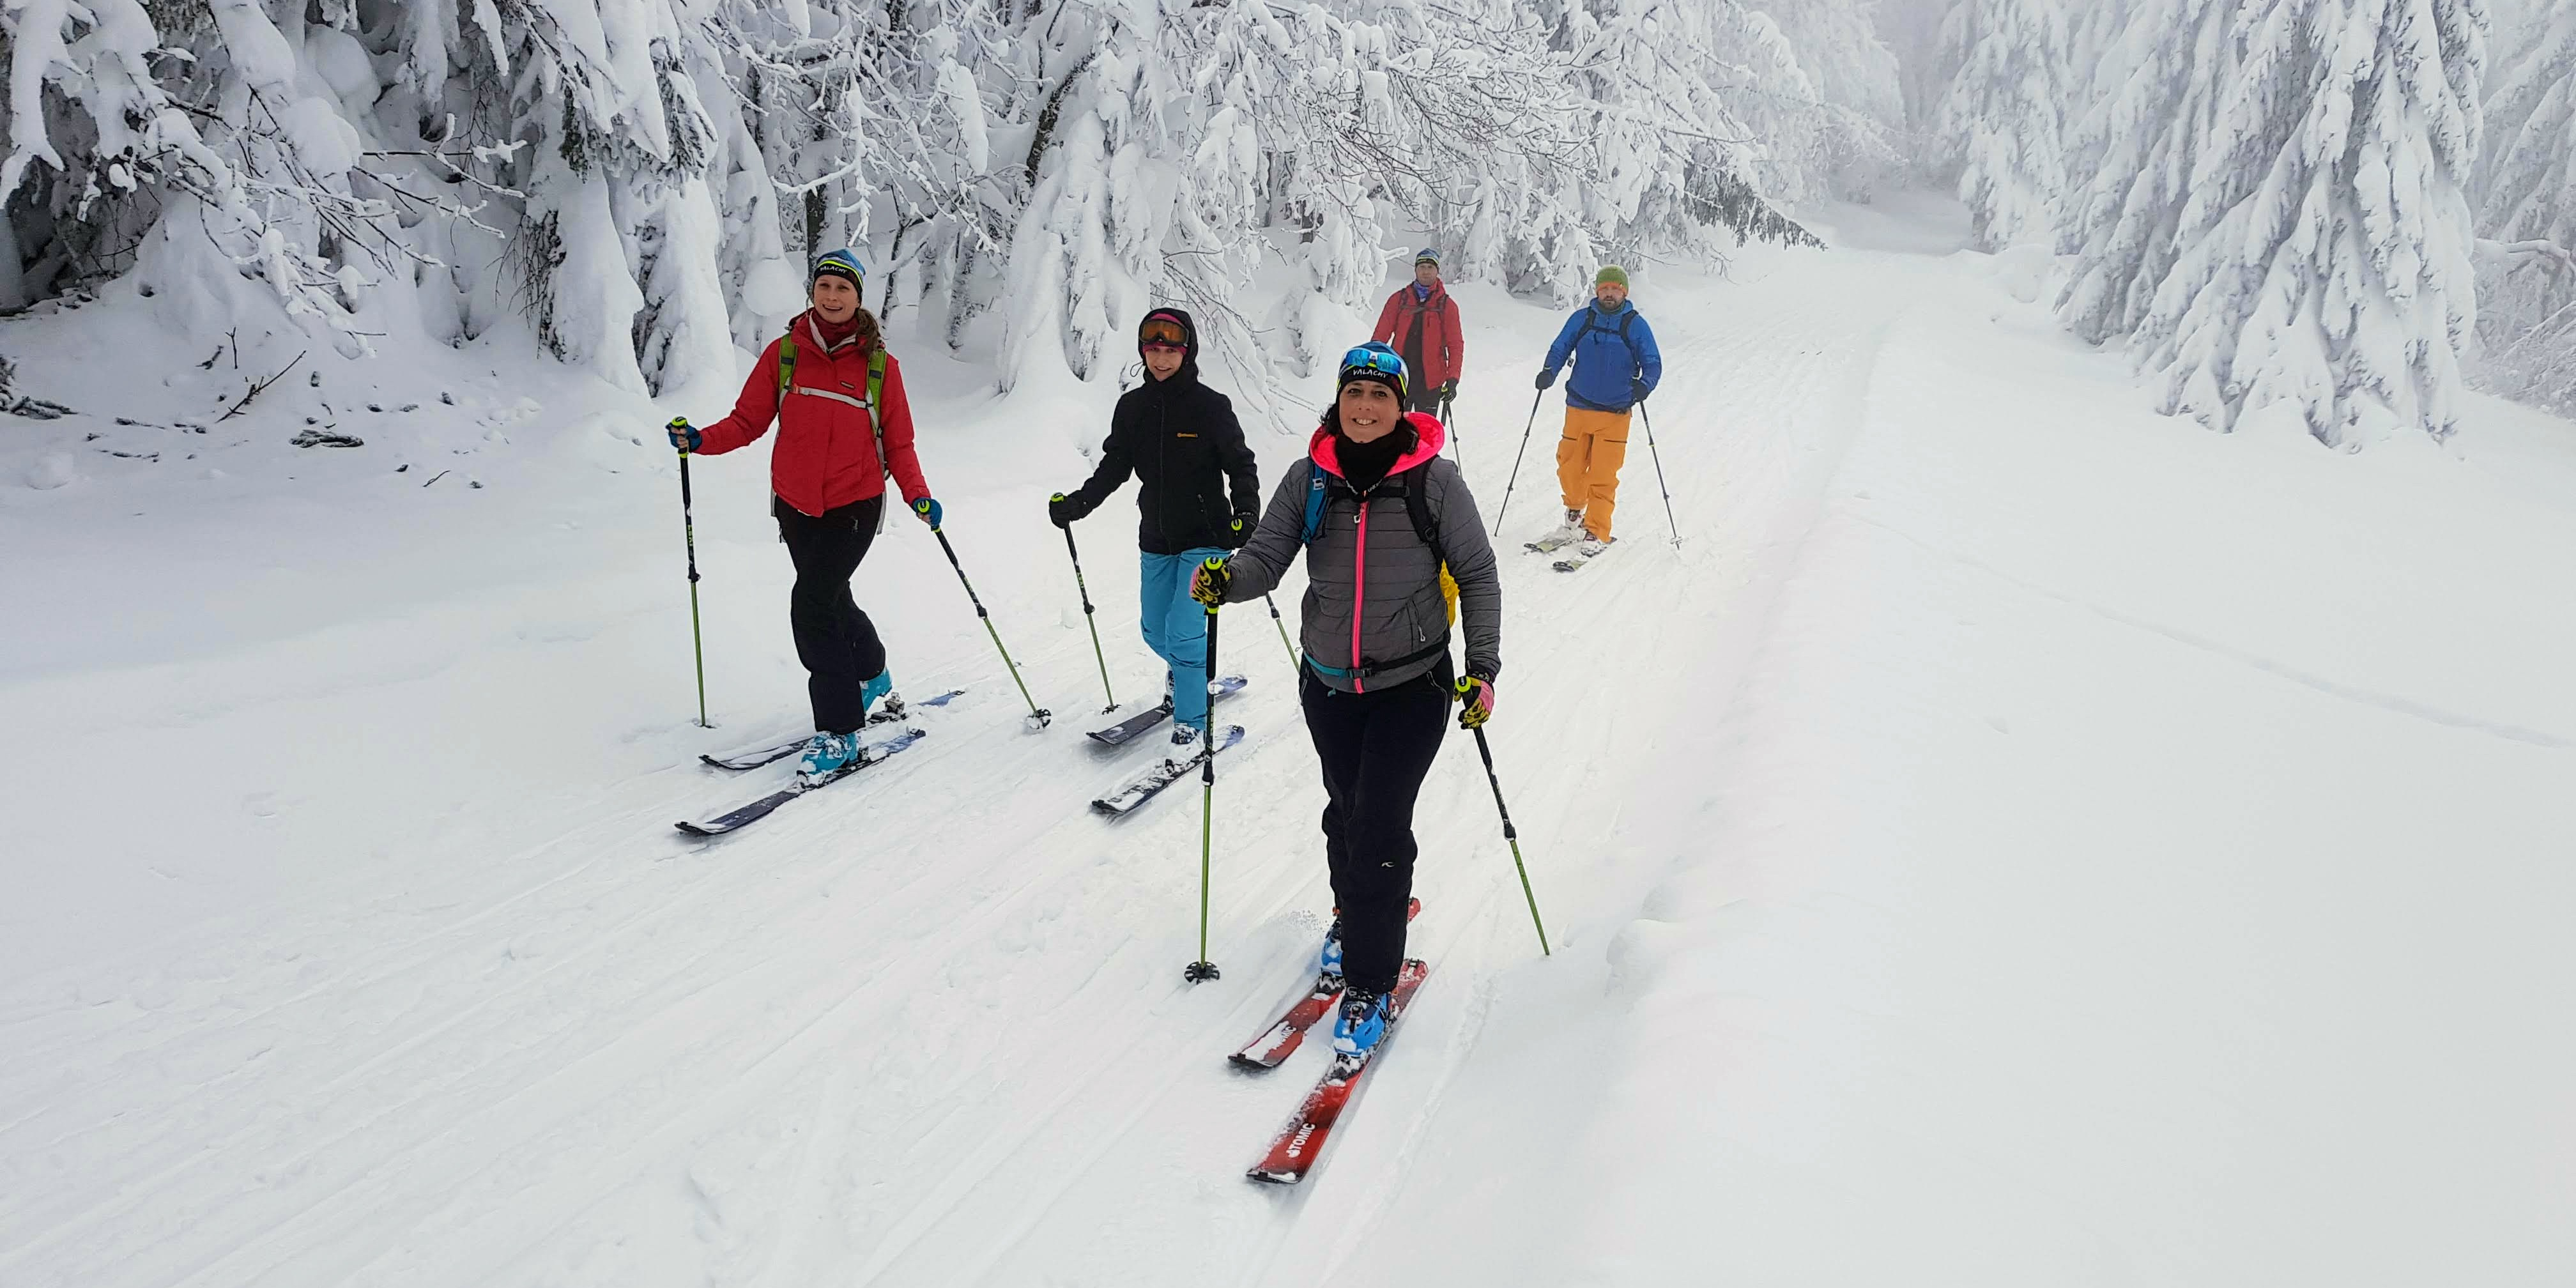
point(929, 512)
point(684, 438)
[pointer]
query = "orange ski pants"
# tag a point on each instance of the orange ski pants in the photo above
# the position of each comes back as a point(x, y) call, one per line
point(1587, 465)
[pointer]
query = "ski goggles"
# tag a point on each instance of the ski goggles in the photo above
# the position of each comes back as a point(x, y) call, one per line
point(1373, 359)
point(1162, 333)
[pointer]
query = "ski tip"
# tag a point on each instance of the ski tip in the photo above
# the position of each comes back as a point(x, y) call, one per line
point(1267, 1177)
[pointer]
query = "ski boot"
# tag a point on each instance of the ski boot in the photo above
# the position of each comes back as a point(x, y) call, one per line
point(827, 755)
point(1592, 545)
point(880, 685)
point(1360, 1025)
point(1331, 965)
point(1188, 741)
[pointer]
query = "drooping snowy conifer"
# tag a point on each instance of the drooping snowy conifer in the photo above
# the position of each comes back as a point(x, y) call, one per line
point(2528, 179)
point(2527, 298)
point(2282, 210)
point(2002, 116)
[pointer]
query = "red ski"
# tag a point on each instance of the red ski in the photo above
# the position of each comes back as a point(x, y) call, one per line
point(1302, 1141)
point(1280, 1040)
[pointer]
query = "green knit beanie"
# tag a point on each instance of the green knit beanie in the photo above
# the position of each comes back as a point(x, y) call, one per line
point(1610, 273)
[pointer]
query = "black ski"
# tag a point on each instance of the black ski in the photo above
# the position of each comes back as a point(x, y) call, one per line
point(757, 810)
point(1125, 731)
point(1142, 788)
point(893, 710)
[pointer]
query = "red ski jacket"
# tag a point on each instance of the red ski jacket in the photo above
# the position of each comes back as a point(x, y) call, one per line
point(1444, 342)
point(826, 456)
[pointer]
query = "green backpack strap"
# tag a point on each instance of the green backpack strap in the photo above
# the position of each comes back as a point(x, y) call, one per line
point(876, 407)
point(786, 363)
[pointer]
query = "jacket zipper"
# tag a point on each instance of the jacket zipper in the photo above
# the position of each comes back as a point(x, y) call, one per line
point(1359, 596)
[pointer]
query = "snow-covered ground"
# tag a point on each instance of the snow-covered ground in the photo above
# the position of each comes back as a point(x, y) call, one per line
point(2014, 839)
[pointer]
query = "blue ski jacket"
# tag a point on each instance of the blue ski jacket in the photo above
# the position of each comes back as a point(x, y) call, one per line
point(1605, 364)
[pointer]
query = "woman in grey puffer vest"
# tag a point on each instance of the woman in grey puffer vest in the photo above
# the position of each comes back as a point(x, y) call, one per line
point(1377, 680)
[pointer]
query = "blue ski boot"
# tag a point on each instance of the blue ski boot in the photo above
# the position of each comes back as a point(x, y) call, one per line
point(1361, 1025)
point(1332, 963)
point(828, 754)
point(876, 686)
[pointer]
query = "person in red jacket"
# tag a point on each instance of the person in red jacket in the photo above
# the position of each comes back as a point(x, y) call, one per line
point(844, 426)
point(1420, 322)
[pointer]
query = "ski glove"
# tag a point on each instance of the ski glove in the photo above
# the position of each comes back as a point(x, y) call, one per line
point(684, 438)
point(929, 512)
point(1638, 389)
point(1209, 581)
point(1448, 391)
point(1476, 701)
point(1546, 377)
point(1062, 510)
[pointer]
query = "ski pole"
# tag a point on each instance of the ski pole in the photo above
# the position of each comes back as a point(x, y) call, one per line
point(1038, 716)
point(697, 638)
point(1203, 969)
point(1510, 834)
point(1659, 472)
point(1085, 590)
point(1516, 460)
point(1448, 414)
point(1283, 631)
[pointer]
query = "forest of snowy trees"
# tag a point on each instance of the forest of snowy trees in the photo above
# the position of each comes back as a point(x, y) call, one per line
point(2331, 202)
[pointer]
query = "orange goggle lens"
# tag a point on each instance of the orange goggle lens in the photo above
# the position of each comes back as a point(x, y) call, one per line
point(1165, 332)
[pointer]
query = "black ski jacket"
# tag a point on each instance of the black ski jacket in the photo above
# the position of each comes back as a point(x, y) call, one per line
point(1180, 439)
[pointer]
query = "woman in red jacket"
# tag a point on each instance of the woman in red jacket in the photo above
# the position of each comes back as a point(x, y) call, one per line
point(844, 426)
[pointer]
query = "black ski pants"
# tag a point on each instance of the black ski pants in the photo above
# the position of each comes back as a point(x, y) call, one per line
point(836, 642)
point(1375, 749)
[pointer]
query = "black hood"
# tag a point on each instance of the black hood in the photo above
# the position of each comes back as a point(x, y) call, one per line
point(1189, 372)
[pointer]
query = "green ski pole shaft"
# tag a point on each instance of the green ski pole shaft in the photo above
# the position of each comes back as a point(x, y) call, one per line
point(1085, 590)
point(1513, 836)
point(1659, 473)
point(1283, 631)
point(1516, 460)
point(697, 637)
point(1038, 716)
point(1203, 969)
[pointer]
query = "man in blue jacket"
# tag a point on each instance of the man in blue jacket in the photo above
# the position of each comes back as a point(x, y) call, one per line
point(1616, 364)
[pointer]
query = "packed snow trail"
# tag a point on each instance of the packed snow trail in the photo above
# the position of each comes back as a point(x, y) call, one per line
point(500, 1025)
point(927, 1026)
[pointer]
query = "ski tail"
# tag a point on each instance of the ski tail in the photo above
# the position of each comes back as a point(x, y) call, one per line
point(1294, 1152)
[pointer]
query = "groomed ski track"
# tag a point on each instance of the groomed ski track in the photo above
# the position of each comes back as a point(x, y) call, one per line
point(929, 1027)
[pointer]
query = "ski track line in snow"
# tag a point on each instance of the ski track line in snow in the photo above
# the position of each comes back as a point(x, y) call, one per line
point(2306, 679)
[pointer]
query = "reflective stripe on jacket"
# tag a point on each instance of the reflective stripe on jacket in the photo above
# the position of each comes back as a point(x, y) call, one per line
point(826, 454)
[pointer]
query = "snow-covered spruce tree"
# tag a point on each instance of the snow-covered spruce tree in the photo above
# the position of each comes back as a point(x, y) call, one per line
point(1842, 143)
point(2001, 118)
point(2527, 182)
point(2282, 211)
point(118, 125)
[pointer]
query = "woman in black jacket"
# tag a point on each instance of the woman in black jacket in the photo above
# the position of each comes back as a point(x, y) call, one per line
point(1179, 438)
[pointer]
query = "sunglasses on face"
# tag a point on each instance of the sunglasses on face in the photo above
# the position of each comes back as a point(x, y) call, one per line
point(1163, 333)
